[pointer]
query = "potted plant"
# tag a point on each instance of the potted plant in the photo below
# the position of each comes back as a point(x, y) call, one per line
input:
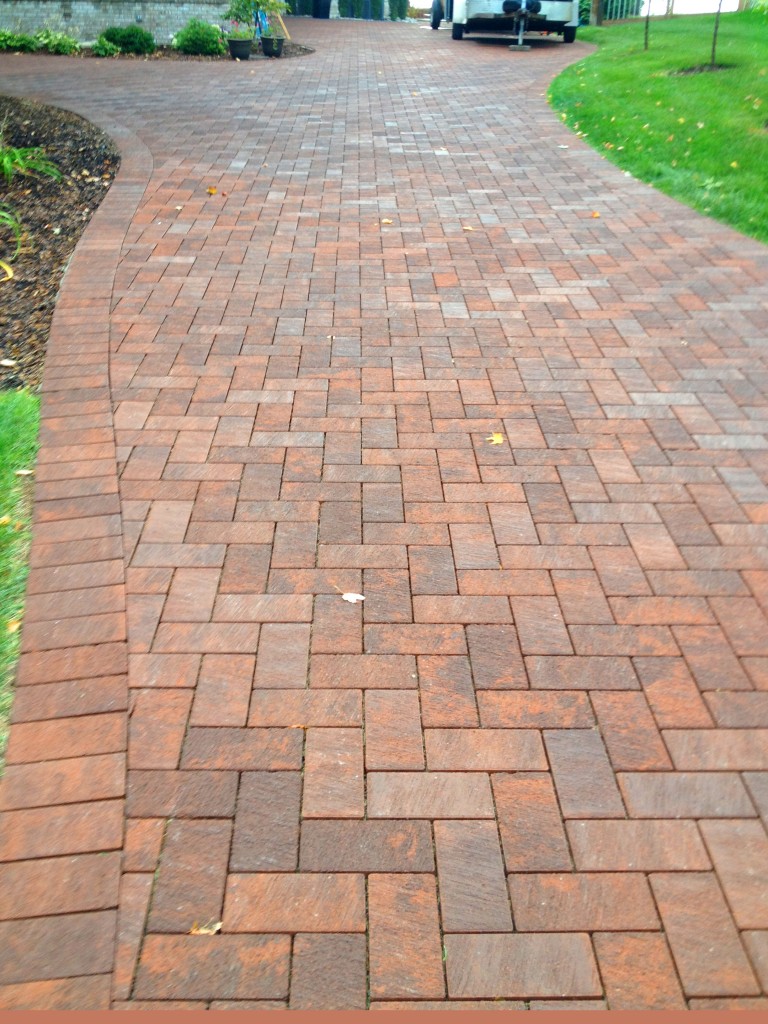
point(239, 36)
point(266, 10)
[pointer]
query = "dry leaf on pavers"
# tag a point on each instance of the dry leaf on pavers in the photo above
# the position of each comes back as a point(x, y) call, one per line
point(386, 221)
point(468, 228)
point(595, 213)
point(495, 438)
point(211, 190)
point(212, 928)
point(352, 598)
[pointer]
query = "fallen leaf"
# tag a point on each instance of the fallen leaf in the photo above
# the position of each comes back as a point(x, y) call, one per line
point(6, 270)
point(5, 520)
point(468, 228)
point(24, 472)
point(179, 207)
point(211, 190)
point(352, 598)
point(13, 627)
point(386, 222)
point(496, 438)
point(595, 213)
point(7, 362)
point(212, 928)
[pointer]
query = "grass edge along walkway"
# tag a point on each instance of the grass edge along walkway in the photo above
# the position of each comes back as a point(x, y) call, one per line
point(19, 423)
point(701, 138)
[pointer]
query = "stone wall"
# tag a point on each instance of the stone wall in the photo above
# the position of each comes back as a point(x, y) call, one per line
point(87, 19)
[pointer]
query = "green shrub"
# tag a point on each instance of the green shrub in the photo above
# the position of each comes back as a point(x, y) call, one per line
point(17, 43)
point(130, 39)
point(10, 222)
point(398, 9)
point(199, 39)
point(103, 48)
point(57, 42)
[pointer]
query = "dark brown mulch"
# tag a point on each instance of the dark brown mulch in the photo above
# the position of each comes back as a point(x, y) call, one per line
point(53, 215)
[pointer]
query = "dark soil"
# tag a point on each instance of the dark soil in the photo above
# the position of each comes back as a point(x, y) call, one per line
point(53, 216)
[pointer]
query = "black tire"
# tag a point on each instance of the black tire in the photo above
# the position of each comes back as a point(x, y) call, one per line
point(569, 34)
point(437, 14)
point(457, 31)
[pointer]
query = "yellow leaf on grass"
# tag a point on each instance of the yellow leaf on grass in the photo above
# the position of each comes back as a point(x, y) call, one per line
point(13, 627)
point(495, 438)
point(24, 472)
point(212, 928)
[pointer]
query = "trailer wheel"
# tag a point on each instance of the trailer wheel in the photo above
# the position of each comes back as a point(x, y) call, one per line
point(457, 31)
point(437, 14)
point(569, 34)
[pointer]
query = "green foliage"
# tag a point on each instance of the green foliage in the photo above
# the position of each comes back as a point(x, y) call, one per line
point(398, 9)
point(130, 39)
point(241, 11)
point(661, 114)
point(585, 11)
point(200, 39)
point(19, 417)
point(10, 222)
point(25, 160)
point(57, 42)
point(17, 43)
point(103, 48)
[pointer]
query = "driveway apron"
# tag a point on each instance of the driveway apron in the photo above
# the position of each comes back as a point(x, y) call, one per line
point(373, 324)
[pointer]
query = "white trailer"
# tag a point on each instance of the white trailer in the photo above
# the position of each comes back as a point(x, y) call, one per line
point(521, 17)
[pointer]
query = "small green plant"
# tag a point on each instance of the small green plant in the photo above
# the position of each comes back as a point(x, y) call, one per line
point(25, 160)
point(103, 48)
point(10, 222)
point(57, 42)
point(199, 39)
point(130, 39)
point(17, 43)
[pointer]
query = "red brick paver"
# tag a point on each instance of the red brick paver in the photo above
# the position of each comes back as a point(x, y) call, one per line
point(530, 769)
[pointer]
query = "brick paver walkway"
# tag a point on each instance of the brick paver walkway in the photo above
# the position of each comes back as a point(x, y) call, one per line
point(531, 766)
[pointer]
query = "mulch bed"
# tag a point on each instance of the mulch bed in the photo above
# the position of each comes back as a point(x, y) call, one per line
point(53, 215)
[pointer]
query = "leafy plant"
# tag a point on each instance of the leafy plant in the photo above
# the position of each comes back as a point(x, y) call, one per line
point(57, 42)
point(17, 43)
point(398, 9)
point(9, 221)
point(199, 39)
point(25, 160)
point(130, 39)
point(103, 48)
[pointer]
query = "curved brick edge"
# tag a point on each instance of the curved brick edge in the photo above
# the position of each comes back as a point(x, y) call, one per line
point(63, 792)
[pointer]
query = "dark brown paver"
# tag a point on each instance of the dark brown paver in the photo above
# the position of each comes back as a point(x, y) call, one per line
point(530, 769)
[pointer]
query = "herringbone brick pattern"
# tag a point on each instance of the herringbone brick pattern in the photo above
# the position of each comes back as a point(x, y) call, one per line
point(396, 354)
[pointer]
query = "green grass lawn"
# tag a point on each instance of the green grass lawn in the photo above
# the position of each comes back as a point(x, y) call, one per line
point(19, 418)
point(701, 138)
